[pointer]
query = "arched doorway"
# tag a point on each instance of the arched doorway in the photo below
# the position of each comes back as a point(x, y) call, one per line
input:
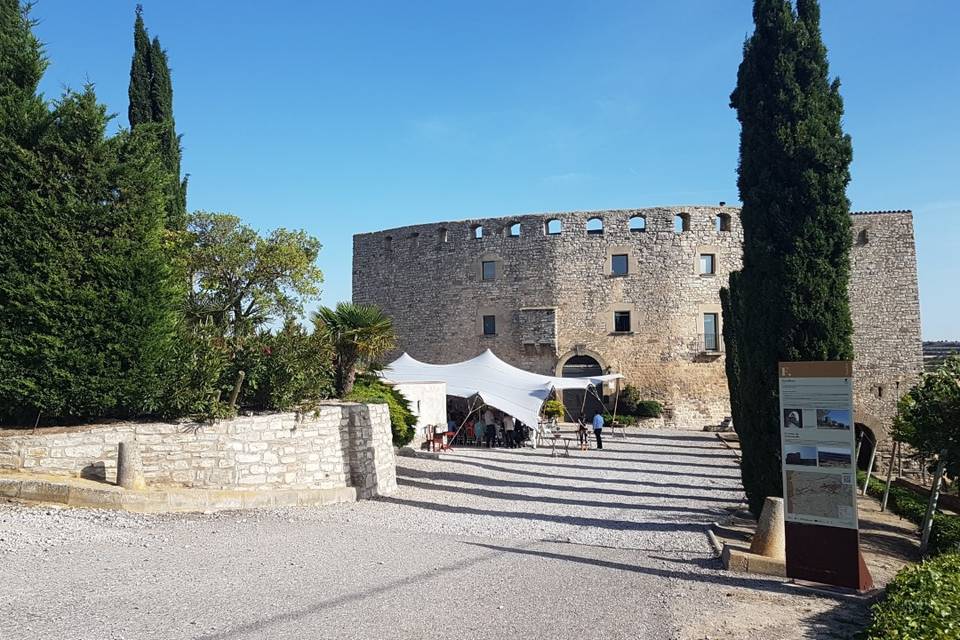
point(580, 403)
point(868, 441)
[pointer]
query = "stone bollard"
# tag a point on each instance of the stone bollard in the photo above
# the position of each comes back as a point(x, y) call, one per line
point(769, 540)
point(129, 467)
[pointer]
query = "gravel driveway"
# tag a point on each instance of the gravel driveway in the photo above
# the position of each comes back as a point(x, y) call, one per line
point(480, 544)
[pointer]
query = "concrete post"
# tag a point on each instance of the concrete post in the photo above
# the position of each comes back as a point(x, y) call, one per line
point(769, 539)
point(129, 467)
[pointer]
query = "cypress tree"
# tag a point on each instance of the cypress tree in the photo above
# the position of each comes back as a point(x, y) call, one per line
point(789, 301)
point(140, 109)
point(151, 107)
point(88, 306)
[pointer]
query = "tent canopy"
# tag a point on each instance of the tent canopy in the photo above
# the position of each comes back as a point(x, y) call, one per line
point(514, 391)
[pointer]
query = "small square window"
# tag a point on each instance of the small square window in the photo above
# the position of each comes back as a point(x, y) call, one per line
point(489, 325)
point(621, 321)
point(708, 266)
point(619, 265)
point(489, 270)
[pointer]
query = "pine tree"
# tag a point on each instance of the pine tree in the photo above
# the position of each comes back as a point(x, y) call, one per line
point(151, 107)
point(789, 301)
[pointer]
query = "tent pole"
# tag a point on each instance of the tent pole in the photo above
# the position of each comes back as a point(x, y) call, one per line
point(616, 401)
point(470, 411)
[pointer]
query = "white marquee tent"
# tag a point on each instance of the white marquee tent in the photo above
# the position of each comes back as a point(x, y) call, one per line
point(514, 391)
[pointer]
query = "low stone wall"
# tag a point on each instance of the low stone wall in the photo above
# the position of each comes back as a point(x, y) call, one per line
point(338, 445)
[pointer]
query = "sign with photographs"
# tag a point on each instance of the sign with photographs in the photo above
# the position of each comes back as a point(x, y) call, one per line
point(818, 443)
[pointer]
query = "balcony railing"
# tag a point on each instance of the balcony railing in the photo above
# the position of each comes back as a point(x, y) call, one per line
point(709, 343)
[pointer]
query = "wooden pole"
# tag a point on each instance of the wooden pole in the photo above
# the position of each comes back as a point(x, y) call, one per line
point(236, 389)
point(932, 505)
point(866, 482)
point(886, 489)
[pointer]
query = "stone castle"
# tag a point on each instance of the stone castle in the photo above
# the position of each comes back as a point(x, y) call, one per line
point(632, 291)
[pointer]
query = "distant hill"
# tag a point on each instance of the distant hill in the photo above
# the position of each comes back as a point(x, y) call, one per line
point(936, 351)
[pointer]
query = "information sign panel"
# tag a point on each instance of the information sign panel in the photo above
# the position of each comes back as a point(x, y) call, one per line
point(818, 443)
point(818, 447)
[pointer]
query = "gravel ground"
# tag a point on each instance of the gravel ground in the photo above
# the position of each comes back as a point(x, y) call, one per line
point(480, 544)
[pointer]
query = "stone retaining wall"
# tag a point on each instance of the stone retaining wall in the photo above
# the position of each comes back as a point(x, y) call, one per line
point(339, 445)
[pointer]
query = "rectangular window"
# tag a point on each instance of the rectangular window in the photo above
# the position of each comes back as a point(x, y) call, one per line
point(621, 321)
point(489, 325)
point(489, 270)
point(619, 265)
point(711, 333)
point(708, 265)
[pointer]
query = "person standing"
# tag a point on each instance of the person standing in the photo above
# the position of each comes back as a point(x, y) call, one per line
point(508, 427)
point(479, 429)
point(598, 428)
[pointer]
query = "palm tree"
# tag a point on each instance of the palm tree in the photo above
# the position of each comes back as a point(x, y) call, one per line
point(358, 334)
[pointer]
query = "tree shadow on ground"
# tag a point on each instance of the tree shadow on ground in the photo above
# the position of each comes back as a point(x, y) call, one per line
point(667, 436)
point(520, 497)
point(686, 474)
point(576, 521)
point(728, 461)
point(445, 476)
point(624, 481)
point(768, 584)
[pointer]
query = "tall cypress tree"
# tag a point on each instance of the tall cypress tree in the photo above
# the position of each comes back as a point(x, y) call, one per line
point(789, 301)
point(151, 107)
point(88, 304)
point(140, 109)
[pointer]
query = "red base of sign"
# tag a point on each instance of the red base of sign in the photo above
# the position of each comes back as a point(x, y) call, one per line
point(830, 555)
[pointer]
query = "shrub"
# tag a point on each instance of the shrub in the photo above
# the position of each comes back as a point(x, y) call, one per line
point(194, 375)
point(945, 531)
point(632, 404)
point(553, 409)
point(627, 420)
point(284, 370)
point(922, 603)
point(402, 420)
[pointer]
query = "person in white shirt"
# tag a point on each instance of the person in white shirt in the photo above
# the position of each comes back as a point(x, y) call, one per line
point(508, 431)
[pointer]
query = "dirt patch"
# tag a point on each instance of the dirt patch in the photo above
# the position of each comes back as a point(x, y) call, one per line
point(790, 612)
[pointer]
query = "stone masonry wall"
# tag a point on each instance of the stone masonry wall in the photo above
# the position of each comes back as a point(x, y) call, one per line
point(343, 444)
point(553, 297)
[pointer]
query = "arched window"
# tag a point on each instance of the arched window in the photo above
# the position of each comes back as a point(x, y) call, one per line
point(553, 227)
point(595, 225)
point(681, 222)
point(388, 243)
point(478, 231)
point(638, 224)
point(442, 235)
point(863, 237)
point(513, 230)
point(723, 222)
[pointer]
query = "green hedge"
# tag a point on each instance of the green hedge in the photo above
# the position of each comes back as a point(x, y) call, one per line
point(632, 403)
point(402, 420)
point(945, 532)
point(921, 603)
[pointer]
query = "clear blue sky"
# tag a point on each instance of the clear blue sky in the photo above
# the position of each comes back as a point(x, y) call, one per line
point(354, 116)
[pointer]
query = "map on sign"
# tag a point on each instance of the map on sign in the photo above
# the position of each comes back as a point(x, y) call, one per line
point(818, 443)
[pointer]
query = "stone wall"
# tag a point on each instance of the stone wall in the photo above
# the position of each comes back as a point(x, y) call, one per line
point(341, 444)
point(554, 297)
